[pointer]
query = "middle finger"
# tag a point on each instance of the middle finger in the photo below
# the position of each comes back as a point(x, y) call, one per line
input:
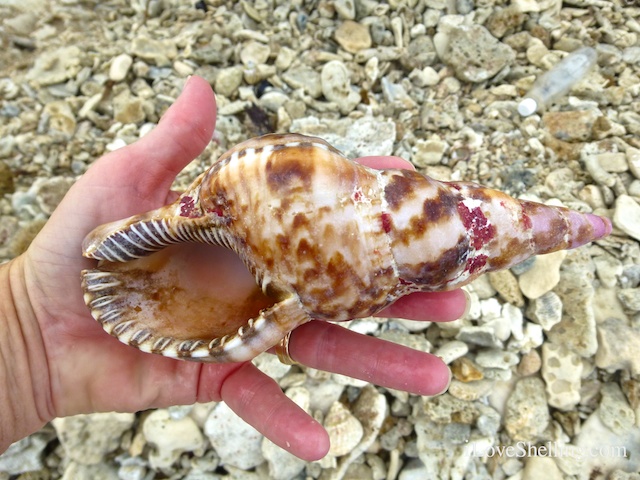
point(333, 348)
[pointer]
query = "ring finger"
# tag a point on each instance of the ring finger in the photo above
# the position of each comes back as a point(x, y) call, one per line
point(333, 348)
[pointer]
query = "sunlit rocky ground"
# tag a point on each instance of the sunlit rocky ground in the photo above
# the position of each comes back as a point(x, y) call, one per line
point(548, 354)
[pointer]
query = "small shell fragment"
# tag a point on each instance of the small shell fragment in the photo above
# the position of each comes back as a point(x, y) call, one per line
point(345, 431)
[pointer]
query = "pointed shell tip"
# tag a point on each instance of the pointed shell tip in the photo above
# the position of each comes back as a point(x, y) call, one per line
point(601, 226)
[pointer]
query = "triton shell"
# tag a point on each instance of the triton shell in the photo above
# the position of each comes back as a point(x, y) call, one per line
point(324, 237)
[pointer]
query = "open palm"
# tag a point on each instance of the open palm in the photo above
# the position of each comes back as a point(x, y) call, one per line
point(77, 368)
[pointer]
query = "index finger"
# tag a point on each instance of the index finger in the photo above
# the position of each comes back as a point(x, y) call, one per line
point(380, 162)
point(429, 306)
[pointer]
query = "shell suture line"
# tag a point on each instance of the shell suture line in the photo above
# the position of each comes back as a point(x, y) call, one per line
point(103, 286)
point(166, 231)
point(142, 237)
point(128, 238)
point(161, 343)
point(109, 254)
point(102, 301)
point(111, 316)
point(122, 247)
point(158, 242)
point(123, 327)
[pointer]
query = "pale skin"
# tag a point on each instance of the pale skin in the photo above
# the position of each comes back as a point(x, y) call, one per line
point(55, 360)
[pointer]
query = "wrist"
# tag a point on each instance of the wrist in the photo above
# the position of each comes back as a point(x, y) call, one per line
point(23, 365)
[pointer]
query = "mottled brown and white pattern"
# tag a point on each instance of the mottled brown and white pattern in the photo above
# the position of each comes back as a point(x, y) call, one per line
point(325, 238)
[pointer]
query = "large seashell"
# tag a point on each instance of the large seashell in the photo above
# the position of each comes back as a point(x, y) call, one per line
point(324, 237)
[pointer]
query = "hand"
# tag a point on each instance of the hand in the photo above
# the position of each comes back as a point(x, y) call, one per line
point(75, 367)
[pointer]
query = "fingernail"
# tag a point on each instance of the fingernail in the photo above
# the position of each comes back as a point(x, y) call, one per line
point(446, 387)
point(467, 307)
point(186, 82)
point(448, 382)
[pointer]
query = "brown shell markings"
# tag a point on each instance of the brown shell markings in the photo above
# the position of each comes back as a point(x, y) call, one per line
point(324, 237)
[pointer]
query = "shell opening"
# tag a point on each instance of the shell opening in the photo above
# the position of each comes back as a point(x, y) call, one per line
point(183, 301)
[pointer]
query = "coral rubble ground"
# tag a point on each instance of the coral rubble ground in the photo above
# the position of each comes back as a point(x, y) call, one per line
point(546, 370)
